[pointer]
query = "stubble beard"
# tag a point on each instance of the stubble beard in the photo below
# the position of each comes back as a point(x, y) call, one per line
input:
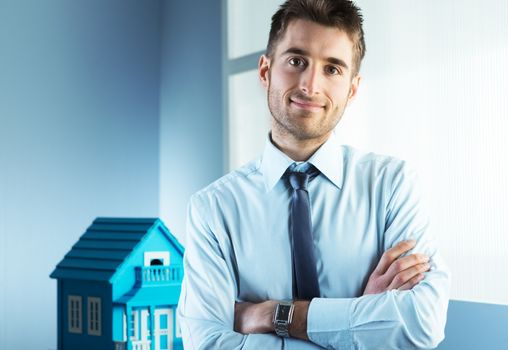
point(286, 124)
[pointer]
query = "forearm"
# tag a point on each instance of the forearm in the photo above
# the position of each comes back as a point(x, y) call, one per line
point(201, 334)
point(252, 318)
point(206, 323)
point(395, 319)
point(298, 328)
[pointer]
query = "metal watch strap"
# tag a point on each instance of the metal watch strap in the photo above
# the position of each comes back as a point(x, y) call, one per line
point(281, 324)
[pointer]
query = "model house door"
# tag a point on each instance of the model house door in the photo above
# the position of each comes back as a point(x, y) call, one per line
point(163, 329)
point(145, 328)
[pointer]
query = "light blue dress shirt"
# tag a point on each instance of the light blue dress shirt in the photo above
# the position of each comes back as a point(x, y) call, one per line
point(238, 249)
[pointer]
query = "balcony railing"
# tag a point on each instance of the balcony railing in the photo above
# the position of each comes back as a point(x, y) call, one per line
point(141, 345)
point(159, 275)
point(135, 345)
point(120, 345)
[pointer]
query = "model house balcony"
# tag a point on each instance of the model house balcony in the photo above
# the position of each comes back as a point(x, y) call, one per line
point(135, 345)
point(159, 275)
point(141, 345)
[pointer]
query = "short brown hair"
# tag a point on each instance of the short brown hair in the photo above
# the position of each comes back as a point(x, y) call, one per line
point(342, 14)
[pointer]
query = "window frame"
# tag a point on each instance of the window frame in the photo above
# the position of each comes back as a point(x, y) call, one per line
point(94, 316)
point(75, 314)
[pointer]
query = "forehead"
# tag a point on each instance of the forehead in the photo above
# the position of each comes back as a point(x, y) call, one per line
point(318, 40)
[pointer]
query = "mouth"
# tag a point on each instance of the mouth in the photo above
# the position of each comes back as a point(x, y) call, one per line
point(306, 105)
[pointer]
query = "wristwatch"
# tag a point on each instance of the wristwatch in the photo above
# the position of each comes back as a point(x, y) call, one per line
point(282, 318)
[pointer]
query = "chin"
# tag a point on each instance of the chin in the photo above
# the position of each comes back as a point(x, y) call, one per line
point(304, 134)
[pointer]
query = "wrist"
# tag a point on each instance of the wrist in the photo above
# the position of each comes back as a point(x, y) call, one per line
point(282, 318)
point(298, 326)
point(271, 305)
point(253, 318)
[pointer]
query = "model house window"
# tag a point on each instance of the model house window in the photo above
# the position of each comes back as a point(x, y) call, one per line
point(156, 258)
point(156, 262)
point(94, 316)
point(163, 322)
point(75, 311)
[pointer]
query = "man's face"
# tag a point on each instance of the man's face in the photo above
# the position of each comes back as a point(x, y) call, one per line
point(309, 80)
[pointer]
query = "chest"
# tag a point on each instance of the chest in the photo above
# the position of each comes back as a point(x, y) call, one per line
point(347, 235)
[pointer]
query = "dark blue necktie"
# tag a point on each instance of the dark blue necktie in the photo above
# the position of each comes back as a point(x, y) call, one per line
point(305, 279)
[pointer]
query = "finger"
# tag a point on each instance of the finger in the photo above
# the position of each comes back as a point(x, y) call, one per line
point(405, 276)
point(412, 282)
point(392, 254)
point(405, 263)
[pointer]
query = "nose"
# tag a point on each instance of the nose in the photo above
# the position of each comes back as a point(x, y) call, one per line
point(310, 81)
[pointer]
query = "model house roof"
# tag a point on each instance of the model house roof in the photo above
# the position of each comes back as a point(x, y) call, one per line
point(105, 245)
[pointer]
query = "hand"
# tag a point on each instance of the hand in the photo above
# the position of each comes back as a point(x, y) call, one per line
point(394, 272)
point(254, 318)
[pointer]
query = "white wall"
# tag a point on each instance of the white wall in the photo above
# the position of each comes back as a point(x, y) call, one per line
point(433, 93)
point(249, 25)
point(248, 117)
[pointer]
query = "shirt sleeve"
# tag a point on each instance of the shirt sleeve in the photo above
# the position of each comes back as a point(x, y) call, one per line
point(207, 299)
point(412, 319)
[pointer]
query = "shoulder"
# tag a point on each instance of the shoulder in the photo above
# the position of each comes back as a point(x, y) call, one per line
point(374, 169)
point(233, 184)
point(356, 160)
point(360, 158)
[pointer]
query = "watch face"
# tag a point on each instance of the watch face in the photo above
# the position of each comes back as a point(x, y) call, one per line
point(284, 312)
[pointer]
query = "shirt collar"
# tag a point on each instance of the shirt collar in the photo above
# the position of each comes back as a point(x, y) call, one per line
point(328, 159)
point(273, 164)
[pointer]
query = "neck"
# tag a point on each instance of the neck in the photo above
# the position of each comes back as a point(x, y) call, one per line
point(296, 149)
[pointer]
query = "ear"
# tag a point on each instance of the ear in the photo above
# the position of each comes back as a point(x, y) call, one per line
point(264, 70)
point(355, 83)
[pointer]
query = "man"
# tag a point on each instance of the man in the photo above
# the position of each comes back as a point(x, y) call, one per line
point(360, 270)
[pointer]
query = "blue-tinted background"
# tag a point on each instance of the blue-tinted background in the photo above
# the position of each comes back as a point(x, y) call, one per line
point(114, 108)
point(107, 108)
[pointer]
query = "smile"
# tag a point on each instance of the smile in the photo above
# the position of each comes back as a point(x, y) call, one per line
point(309, 106)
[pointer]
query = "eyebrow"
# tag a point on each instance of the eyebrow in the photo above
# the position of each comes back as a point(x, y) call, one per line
point(332, 60)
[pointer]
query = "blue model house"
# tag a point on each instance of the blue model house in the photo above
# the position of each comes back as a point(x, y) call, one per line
point(118, 288)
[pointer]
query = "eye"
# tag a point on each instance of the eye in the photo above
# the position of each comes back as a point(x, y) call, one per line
point(332, 70)
point(296, 62)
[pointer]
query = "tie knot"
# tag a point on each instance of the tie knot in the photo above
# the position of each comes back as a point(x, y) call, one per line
point(299, 175)
point(298, 180)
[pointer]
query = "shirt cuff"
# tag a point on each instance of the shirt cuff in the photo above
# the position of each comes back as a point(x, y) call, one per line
point(328, 322)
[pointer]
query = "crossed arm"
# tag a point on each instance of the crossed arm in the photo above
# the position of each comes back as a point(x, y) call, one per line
point(394, 271)
point(398, 309)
